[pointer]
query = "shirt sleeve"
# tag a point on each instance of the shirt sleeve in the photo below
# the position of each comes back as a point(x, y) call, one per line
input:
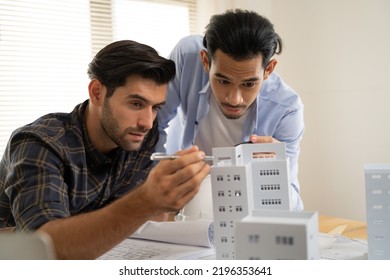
point(281, 115)
point(169, 110)
point(37, 191)
point(187, 83)
point(290, 130)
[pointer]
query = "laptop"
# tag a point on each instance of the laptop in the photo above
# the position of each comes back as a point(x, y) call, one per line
point(26, 246)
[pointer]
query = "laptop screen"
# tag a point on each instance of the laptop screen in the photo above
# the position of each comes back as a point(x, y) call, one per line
point(26, 246)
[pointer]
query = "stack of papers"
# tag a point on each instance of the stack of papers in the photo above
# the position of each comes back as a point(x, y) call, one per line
point(167, 241)
point(197, 233)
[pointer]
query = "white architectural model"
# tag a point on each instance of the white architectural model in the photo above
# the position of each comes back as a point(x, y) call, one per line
point(377, 179)
point(275, 235)
point(243, 178)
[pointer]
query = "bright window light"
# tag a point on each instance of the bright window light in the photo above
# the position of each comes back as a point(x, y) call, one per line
point(160, 25)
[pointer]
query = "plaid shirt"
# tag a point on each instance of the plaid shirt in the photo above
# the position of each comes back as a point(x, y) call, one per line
point(51, 170)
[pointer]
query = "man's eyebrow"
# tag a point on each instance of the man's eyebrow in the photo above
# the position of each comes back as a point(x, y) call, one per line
point(219, 75)
point(254, 79)
point(143, 99)
point(160, 104)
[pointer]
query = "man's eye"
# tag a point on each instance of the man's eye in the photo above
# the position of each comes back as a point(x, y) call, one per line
point(223, 82)
point(249, 84)
point(136, 105)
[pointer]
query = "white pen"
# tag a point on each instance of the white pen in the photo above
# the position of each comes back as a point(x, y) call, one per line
point(162, 156)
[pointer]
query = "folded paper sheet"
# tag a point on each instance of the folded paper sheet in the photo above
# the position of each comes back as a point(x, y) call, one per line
point(198, 233)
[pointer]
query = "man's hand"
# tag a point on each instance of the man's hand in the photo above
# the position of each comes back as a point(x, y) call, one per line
point(262, 139)
point(173, 183)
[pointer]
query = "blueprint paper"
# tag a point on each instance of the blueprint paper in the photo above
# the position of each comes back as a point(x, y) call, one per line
point(142, 249)
point(339, 247)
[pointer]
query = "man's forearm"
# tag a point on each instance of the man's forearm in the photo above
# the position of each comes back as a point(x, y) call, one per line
point(89, 235)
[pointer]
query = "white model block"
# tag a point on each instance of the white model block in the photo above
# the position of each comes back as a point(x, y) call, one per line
point(230, 203)
point(271, 187)
point(275, 235)
point(377, 181)
point(241, 181)
point(270, 176)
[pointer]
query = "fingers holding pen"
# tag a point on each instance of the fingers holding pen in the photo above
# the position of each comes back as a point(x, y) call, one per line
point(180, 193)
point(190, 168)
point(189, 162)
point(178, 179)
point(190, 177)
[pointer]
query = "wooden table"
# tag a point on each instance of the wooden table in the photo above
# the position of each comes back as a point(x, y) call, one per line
point(348, 228)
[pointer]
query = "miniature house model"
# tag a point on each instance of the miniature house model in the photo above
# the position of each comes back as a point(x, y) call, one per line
point(274, 235)
point(243, 178)
point(377, 179)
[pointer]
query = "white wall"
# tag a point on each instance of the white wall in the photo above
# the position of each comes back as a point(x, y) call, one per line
point(206, 8)
point(337, 57)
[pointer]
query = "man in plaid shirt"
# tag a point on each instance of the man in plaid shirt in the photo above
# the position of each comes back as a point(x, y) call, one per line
point(86, 178)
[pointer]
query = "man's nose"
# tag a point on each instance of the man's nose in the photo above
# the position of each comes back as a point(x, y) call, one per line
point(234, 97)
point(146, 118)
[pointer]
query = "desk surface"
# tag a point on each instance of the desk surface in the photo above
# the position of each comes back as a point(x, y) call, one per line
point(348, 228)
point(330, 247)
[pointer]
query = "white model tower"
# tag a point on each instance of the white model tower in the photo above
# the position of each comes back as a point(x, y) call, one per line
point(377, 180)
point(275, 235)
point(244, 178)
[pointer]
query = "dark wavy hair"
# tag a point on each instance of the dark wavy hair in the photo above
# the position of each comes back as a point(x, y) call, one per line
point(118, 60)
point(242, 34)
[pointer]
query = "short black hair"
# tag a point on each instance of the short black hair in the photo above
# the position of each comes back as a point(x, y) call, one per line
point(118, 60)
point(242, 34)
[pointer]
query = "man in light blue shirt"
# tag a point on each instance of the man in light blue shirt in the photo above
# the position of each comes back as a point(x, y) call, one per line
point(226, 92)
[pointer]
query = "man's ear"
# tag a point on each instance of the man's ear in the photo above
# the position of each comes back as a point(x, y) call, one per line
point(204, 56)
point(95, 89)
point(270, 68)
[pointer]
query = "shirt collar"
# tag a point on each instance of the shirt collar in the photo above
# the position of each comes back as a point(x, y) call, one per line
point(206, 89)
point(94, 157)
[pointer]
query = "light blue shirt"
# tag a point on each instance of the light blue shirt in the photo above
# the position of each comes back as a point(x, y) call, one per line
point(277, 112)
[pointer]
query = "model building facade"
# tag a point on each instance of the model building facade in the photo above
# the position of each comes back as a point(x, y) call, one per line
point(377, 180)
point(244, 178)
point(275, 235)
